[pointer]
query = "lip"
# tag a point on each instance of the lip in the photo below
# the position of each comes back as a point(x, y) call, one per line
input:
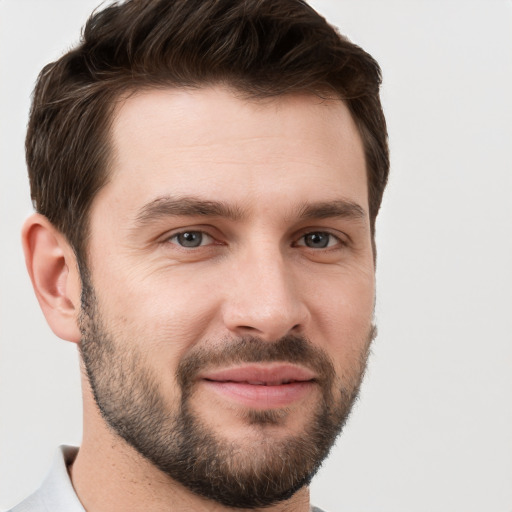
point(269, 374)
point(261, 386)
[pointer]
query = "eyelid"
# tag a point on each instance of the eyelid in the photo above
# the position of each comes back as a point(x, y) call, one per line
point(208, 241)
point(304, 233)
point(204, 230)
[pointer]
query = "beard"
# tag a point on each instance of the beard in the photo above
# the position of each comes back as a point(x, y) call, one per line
point(252, 473)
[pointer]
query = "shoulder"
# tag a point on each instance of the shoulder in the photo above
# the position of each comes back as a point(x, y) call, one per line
point(56, 493)
point(33, 503)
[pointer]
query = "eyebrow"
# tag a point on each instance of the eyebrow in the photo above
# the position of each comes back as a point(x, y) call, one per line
point(169, 206)
point(339, 208)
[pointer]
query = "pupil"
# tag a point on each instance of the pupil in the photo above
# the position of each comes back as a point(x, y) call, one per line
point(317, 240)
point(190, 239)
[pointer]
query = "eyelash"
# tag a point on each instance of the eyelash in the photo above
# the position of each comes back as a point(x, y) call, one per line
point(190, 231)
point(337, 240)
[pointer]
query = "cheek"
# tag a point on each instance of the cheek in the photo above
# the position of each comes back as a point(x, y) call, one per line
point(343, 316)
point(166, 315)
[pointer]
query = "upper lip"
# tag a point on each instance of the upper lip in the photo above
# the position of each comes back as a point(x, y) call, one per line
point(261, 374)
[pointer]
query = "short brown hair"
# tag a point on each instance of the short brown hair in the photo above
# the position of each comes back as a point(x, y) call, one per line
point(262, 48)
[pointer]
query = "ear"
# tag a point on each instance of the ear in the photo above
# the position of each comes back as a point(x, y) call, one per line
point(53, 270)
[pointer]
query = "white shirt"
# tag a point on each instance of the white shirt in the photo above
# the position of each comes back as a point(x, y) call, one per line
point(56, 493)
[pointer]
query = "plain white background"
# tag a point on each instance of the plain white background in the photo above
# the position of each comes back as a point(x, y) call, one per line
point(432, 431)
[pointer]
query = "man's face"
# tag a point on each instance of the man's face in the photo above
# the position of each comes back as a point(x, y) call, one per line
point(227, 307)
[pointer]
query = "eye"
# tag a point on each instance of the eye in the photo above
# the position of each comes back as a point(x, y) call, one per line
point(191, 239)
point(318, 240)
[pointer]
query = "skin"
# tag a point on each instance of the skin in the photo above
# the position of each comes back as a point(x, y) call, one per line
point(266, 160)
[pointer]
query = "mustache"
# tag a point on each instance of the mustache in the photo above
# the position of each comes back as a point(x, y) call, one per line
point(250, 349)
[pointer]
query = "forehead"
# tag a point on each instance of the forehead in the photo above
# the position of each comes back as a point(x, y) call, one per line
point(211, 142)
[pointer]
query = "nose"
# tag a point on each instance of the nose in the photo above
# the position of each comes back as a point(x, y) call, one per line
point(264, 298)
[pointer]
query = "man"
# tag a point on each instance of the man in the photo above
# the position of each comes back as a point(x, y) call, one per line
point(207, 176)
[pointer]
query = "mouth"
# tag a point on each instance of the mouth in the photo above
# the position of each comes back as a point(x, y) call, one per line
point(261, 386)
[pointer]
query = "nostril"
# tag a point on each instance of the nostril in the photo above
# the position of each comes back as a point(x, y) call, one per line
point(247, 328)
point(296, 329)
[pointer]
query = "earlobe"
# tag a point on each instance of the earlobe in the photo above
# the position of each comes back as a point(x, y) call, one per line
point(51, 264)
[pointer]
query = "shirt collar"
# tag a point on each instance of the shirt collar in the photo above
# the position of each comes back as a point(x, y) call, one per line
point(56, 493)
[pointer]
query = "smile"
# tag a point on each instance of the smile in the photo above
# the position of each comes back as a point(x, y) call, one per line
point(261, 386)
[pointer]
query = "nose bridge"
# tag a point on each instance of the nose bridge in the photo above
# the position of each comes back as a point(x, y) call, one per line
point(265, 299)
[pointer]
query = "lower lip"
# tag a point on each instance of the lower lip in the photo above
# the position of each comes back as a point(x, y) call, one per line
point(261, 397)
